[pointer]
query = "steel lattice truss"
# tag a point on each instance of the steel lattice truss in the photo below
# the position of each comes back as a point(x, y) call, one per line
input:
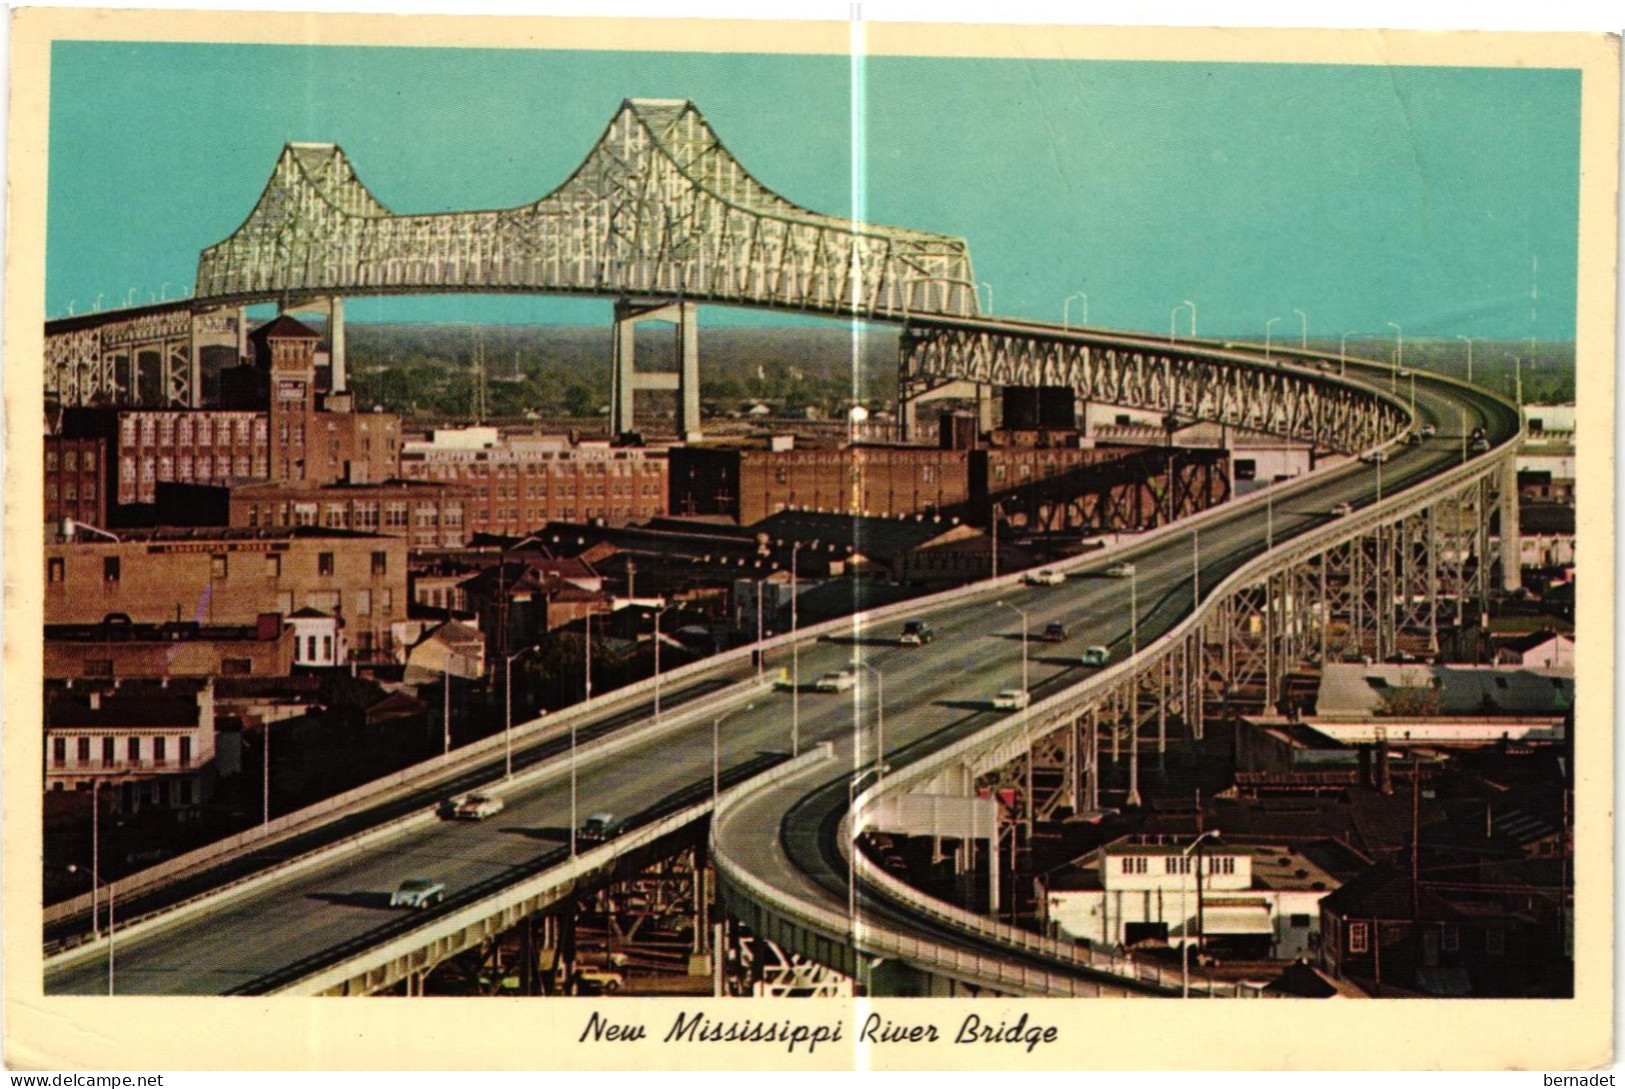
point(1186, 383)
point(658, 208)
point(100, 360)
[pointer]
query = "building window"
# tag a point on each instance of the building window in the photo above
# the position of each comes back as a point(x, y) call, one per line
point(236, 667)
point(110, 570)
point(380, 563)
point(327, 648)
point(59, 752)
point(132, 750)
point(82, 753)
point(186, 752)
point(109, 752)
point(217, 566)
point(160, 750)
point(56, 569)
point(310, 648)
point(1359, 937)
point(363, 602)
point(1176, 864)
point(273, 565)
point(1221, 864)
point(1299, 922)
point(324, 563)
point(1135, 865)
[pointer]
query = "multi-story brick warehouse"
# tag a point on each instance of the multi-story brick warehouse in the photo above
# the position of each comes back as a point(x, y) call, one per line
point(525, 481)
point(231, 576)
point(142, 447)
point(428, 514)
point(752, 479)
point(76, 480)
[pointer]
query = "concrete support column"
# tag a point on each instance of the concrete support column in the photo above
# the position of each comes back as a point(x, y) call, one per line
point(335, 342)
point(688, 377)
point(984, 408)
point(623, 382)
point(627, 380)
point(1511, 538)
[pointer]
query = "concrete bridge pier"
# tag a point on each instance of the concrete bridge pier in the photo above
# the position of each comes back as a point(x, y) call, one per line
point(627, 380)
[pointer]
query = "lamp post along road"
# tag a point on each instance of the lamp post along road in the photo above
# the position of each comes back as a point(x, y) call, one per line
point(1399, 357)
point(1303, 329)
point(1023, 614)
point(880, 718)
point(1184, 912)
point(507, 701)
point(1267, 326)
point(1192, 305)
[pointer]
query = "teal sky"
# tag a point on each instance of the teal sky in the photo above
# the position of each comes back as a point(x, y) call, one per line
point(1358, 195)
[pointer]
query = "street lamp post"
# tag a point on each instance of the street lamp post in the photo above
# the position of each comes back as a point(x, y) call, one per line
point(1192, 305)
point(880, 718)
point(1469, 341)
point(507, 704)
point(1023, 613)
point(1173, 327)
point(95, 926)
point(1184, 911)
point(1399, 357)
point(658, 614)
point(795, 659)
point(1267, 325)
point(1303, 329)
point(1066, 309)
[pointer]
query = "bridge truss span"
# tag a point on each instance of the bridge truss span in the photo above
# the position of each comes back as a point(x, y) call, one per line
point(1187, 383)
point(659, 208)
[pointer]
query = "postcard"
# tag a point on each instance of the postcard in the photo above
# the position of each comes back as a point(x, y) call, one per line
point(683, 544)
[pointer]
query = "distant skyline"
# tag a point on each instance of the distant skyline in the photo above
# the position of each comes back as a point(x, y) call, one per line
point(1359, 196)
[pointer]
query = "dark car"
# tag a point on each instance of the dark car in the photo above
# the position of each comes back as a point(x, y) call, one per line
point(1054, 632)
point(916, 633)
point(599, 827)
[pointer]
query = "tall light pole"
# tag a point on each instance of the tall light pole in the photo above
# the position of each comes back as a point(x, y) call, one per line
point(1192, 305)
point(95, 925)
point(1267, 325)
point(586, 657)
point(1469, 341)
point(1184, 911)
point(658, 614)
point(1343, 354)
point(1023, 614)
point(507, 704)
point(1399, 357)
point(880, 718)
point(1066, 309)
point(795, 659)
point(1303, 329)
point(1173, 327)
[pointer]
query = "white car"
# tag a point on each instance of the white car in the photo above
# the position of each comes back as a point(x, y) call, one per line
point(1095, 656)
point(476, 807)
point(1374, 457)
point(1011, 699)
point(1120, 570)
point(1045, 577)
point(1343, 509)
point(1428, 431)
point(419, 893)
point(836, 680)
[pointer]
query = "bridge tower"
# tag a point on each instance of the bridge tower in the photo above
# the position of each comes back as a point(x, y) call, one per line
point(627, 380)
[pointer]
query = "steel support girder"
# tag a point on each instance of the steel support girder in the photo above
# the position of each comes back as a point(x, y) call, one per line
point(1189, 384)
point(99, 364)
point(658, 208)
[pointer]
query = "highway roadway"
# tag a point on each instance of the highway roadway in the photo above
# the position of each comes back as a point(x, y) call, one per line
point(933, 694)
point(931, 703)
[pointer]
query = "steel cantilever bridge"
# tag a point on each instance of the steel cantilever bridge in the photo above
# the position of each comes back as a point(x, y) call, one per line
point(660, 217)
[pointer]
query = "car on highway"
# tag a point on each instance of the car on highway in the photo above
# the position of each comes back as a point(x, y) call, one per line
point(1011, 699)
point(600, 827)
point(1094, 656)
point(475, 807)
point(1120, 570)
point(916, 633)
point(1054, 632)
point(418, 893)
point(1413, 438)
point(1480, 445)
point(1374, 457)
point(1342, 510)
point(1045, 577)
point(1428, 431)
point(836, 680)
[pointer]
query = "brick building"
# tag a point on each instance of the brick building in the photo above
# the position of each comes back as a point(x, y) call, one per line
point(141, 447)
point(231, 576)
point(752, 479)
point(523, 481)
point(76, 479)
point(427, 514)
point(118, 648)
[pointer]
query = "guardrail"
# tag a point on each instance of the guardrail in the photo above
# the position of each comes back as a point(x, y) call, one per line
point(957, 962)
point(478, 917)
point(586, 754)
